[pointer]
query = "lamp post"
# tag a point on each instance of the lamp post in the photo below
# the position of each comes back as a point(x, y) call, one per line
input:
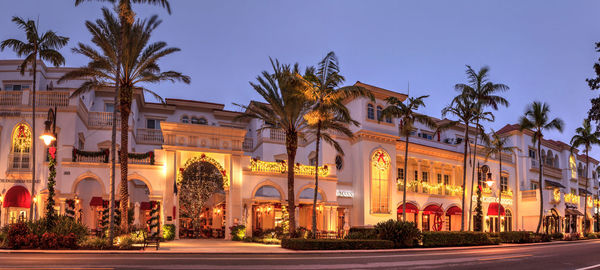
point(49, 138)
point(489, 182)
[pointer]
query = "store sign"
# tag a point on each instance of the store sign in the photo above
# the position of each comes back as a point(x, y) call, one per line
point(488, 199)
point(344, 193)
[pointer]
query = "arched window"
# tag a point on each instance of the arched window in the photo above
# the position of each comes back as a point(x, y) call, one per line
point(379, 110)
point(556, 162)
point(202, 121)
point(309, 193)
point(194, 120)
point(185, 119)
point(370, 112)
point(380, 174)
point(268, 191)
point(21, 148)
point(339, 163)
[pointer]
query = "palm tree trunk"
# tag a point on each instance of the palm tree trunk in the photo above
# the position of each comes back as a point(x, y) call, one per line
point(587, 168)
point(125, 110)
point(405, 175)
point(464, 188)
point(291, 141)
point(113, 150)
point(314, 210)
point(499, 190)
point(473, 179)
point(33, 137)
point(540, 186)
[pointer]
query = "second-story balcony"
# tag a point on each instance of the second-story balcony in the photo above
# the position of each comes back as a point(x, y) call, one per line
point(42, 98)
point(427, 188)
point(149, 136)
point(11, 98)
point(248, 144)
point(549, 170)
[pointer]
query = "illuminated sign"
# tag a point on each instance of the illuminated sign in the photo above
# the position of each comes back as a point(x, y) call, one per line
point(487, 199)
point(344, 193)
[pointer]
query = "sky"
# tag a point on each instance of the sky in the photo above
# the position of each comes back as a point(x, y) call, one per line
point(543, 50)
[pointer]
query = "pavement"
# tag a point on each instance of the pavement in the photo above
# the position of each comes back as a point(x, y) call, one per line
point(581, 255)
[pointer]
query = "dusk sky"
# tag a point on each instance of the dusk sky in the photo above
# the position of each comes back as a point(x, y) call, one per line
point(543, 50)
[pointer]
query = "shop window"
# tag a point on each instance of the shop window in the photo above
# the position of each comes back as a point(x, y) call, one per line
point(370, 112)
point(380, 166)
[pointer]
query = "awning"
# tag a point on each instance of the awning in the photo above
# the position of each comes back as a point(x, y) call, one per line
point(493, 209)
point(432, 210)
point(454, 210)
point(572, 212)
point(17, 196)
point(96, 201)
point(554, 184)
point(583, 190)
point(410, 208)
point(145, 206)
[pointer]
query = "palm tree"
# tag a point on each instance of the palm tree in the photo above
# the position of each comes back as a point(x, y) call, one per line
point(139, 64)
point(498, 146)
point(536, 119)
point(45, 46)
point(126, 18)
point(284, 110)
point(328, 113)
point(483, 92)
point(584, 136)
point(407, 113)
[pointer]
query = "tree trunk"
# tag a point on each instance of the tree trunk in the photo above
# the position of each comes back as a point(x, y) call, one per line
point(473, 180)
point(587, 169)
point(314, 216)
point(33, 137)
point(125, 102)
point(405, 175)
point(113, 155)
point(464, 188)
point(540, 186)
point(291, 141)
point(499, 190)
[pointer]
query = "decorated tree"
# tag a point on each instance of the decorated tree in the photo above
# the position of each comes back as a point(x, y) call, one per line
point(154, 221)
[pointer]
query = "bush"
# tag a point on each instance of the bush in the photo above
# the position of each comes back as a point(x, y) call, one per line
point(448, 239)
point(362, 233)
point(168, 232)
point(66, 225)
point(237, 232)
point(301, 232)
point(402, 233)
point(96, 243)
point(124, 242)
point(19, 236)
point(516, 237)
point(557, 236)
point(139, 235)
point(541, 238)
point(591, 235)
point(334, 244)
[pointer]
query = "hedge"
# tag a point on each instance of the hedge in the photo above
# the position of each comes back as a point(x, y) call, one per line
point(334, 244)
point(448, 239)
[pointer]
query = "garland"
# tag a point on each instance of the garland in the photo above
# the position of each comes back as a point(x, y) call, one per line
point(103, 152)
point(104, 222)
point(50, 213)
point(70, 208)
point(477, 221)
point(153, 222)
point(142, 156)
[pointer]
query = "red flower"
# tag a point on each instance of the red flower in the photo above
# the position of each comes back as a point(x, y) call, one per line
point(52, 151)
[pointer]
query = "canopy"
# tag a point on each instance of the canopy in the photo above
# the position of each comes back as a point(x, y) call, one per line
point(17, 196)
point(572, 212)
point(493, 210)
point(96, 201)
point(410, 208)
point(454, 210)
point(554, 184)
point(432, 210)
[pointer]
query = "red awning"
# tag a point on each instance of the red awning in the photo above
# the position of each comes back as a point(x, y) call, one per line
point(17, 196)
point(432, 210)
point(145, 206)
point(96, 201)
point(493, 210)
point(410, 208)
point(454, 210)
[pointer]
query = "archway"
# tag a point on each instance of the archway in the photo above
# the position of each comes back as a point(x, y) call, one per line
point(89, 193)
point(139, 199)
point(201, 193)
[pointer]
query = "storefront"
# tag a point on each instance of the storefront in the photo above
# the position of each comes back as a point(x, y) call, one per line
point(17, 202)
point(491, 218)
point(411, 212)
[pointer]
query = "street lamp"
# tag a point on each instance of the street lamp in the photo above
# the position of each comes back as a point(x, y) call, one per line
point(49, 138)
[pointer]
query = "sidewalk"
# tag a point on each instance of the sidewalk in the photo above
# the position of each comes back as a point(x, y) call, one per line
point(213, 246)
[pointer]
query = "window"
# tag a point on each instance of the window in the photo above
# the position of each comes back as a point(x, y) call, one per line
point(425, 180)
point(16, 87)
point(388, 119)
point(202, 121)
point(379, 111)
point(534, 186)
point(370, 112)
point(446, 179)
point(312, 161)
point(425, 136)
point(21, 145)
point(268, 192)
point(194, 120)
point(339, 163)
point(185, 119)
point(531, 153)
point(416, 175)
point(380, 171)
point(109, 107)
point(400, 173)
point(504, 183)
point(439, 178)
point(309, 193)
point(152, 124)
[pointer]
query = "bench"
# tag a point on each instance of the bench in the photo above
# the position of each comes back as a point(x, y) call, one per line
point(151, 241)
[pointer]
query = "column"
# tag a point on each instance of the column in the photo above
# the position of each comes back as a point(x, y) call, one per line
point(234, 195)
point(136, 214)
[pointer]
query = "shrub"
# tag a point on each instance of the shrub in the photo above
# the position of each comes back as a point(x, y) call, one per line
point(139, 235)
point(362, 233)
point(66, 225)
point(448, 239)
point(96, 243)
point(301, 232)
point(334, 244)
point(541, 237)
point(591, 235)
point(402, 233)
point(19, 236)
point(237, 232)
point(124, 242)
point(571, 236)
point(49, 241)
point(516, 237)
point(168, 231)
point(557, 236)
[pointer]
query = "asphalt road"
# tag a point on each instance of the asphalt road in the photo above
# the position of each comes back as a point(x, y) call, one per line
point(575, 255)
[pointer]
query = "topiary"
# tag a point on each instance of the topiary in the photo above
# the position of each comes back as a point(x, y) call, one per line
point(402, 233)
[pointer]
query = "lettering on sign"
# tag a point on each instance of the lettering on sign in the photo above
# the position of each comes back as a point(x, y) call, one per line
point(19, 181)
point(344, 193)
point(487, 199)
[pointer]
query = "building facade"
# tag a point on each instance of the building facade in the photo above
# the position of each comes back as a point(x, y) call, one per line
point(360, 188)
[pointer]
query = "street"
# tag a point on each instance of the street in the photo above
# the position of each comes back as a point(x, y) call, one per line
point(562, 255)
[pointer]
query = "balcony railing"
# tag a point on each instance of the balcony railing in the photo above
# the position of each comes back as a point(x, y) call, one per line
point(100, 156)
point(149, 136)
point(52, 98)
point(140, 158)
point(19, 162)
point(427, 188)
point(101, 119)
point(11, 98)
point(248, 144)
point(277, 135)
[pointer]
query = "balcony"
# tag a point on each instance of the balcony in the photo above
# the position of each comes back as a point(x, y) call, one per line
point(101, 120)
point(248, 144)
point(427, 188)
point(149, 136)
point(11, 98)
point(52, 98)
point(549, 170)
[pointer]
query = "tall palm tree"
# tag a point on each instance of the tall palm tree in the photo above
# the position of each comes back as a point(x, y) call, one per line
point(483, 92)
point(407, 113)
point(536, 119)
point(44, 46)
point(139, 65)
point(328, 113)
point(126, 18)
point(497, 146)
point(284, 110)
point(584, 136)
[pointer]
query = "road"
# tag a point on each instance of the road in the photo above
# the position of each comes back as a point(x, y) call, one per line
point(564, 255)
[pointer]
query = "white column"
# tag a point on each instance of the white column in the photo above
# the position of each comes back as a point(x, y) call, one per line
point(136, 214)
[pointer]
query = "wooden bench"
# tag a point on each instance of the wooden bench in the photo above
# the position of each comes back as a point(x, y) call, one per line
point(151, 241)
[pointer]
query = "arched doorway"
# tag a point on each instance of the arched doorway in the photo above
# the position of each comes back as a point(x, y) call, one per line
point(492, 216)
point(266, 209)
point(17, 202)
point(552, 222)
point(90, 208)
point(411, 212)
point(201, 199)
point(139, 198)
point(453, 218)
